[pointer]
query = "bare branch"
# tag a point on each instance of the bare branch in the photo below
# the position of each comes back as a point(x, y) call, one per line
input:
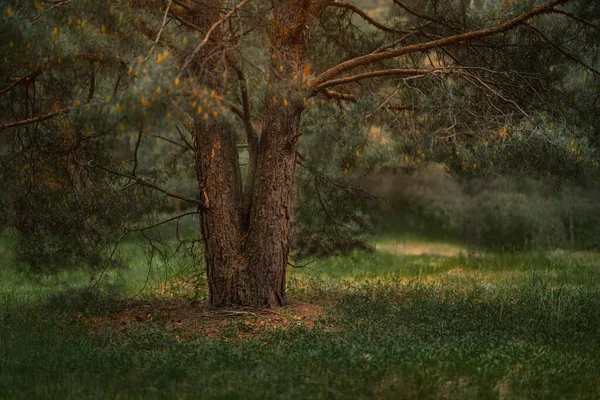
point(182, 136)
point(421, 16)
point(17, 81)
point(178, 217)
point(576, 18)
point(137, 147)
point(171, 141)
point(162, 27)
point(301, 162)
point(55, 4)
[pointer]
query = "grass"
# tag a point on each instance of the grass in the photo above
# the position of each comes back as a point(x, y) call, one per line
point(487, 325)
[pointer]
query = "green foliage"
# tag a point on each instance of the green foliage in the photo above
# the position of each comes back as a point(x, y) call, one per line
point(60, 195)
point(334, 213)
point(492, 213)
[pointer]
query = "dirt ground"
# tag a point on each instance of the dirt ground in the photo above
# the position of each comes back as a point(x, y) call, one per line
point(199, 317)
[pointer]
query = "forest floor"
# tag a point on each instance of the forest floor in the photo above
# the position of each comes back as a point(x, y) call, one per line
point(414, 319)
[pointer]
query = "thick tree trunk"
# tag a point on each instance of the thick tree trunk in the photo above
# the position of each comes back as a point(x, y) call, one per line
point(220, 185)
point(248, 267)
point(268, 239)
point(247, 234)
point(267, 242)
point(218, 173)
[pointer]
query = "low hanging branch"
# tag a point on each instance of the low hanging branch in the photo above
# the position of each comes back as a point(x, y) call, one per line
point(139, 181)
point(409, 72)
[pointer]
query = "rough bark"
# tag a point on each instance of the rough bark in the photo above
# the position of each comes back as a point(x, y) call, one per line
point(221, 188)
point(267, 242)
point(247, 233)
point(218, 173)
point(268, 239)
point(247, 267)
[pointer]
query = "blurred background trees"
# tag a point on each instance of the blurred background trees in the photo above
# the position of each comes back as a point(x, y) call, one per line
point(500, 152)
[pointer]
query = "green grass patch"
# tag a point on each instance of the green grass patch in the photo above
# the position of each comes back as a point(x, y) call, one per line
point(487, 325)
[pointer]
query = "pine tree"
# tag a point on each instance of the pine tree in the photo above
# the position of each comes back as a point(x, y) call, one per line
point(93, 92)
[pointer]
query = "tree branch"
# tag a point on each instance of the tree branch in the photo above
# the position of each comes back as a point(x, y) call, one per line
point(564, 52)
point(330, 94)
point(137, 147)
point(421, 16)
point(375, 74)
point(576, 18)
point(162, 27)
point(162, 222)
point(364, 16)
point(172, 142)
point(182, 136)
point(142, 182)
point(421, 47)
point(17, 81)
point(210, 32)
point(36, 119)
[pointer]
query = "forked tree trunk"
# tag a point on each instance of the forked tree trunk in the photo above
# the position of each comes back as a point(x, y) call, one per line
point(247, 267)
point(247, 234)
